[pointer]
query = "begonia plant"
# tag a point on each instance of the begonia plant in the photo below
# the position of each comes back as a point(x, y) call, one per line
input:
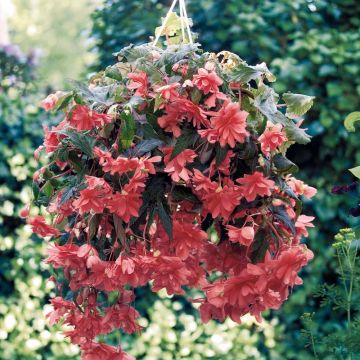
point(170, 168)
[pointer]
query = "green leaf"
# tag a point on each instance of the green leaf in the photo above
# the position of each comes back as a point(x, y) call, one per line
point(35, 191)
point(149, 132)
point(134, 102)
point(175, 53)
point(63, 101)
point(281, 214)
point(94, 225)
point(120, 231)
point(355, 171)
point(63, 154)
point(259, 246)
point(350, 121)
point(98, 94)
point(284, 165)
point(165, 218)
point(297, 104)
point(146, 146)
point(113, 72)
point(67, 194)
point(186, 140)
point(244, 73)
point(220, 154)
point(133, 53)
point(181, 193)
point(47, 189)
point(83, 142)
point(172, 25)
point(127, 129)
point(266, 102)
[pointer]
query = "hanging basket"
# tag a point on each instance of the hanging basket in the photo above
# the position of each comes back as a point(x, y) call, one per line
point(170, 168)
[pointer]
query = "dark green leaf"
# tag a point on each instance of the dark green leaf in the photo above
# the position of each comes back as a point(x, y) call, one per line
point(146, 146)
point(165, 218)
point(68, 193)
point(183, 142)
point(113, 72)
point(220, 154)
point(281, 215)
point(259, 246)
point(284, 165)
point(181, 193)
point(94, 225)
point(120, 231)
point(127, 130)
point(82, 142)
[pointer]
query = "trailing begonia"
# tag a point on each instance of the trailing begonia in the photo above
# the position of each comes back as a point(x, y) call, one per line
point(170, 168)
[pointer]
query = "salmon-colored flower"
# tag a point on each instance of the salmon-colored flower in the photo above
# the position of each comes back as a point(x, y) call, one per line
point(223, 201)
point(256, 184)
point(177, 166)
point(50, 101)
point(244, 235)
point(302, 223)
point(289, 264)
point(169, 92)
point(82, 118)
point(228, 125)
point(100, 351)
point(139, 82)
point(40, 227)
point(272, 138)
point(300, 188)
point(208, 82)
point(181, 110)
point(120, 165)
point(93, 198)
point(125, 205)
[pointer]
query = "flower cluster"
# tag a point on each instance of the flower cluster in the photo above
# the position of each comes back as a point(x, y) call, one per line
point(169, 169)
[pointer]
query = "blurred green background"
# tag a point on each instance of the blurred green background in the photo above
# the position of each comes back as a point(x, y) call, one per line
point(313, 46)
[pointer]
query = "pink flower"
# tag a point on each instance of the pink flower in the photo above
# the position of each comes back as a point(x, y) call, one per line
point(228, 125)
point(98, 351)
point(207, 81)
point(138, 82)
point(272, 138)
point(125, 205)
point(222, 202)
point(302, 223)
point(244, 235)
point(94, 198)
point(169, 92)
point(177, 166)
point(255, 185)
point(300, 188)
point(289, 264)
point(187, 238)
point(82, 118)
point(40, 227)
point(50, 101)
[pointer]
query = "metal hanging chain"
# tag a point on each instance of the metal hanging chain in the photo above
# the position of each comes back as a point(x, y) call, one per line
point(183, 18)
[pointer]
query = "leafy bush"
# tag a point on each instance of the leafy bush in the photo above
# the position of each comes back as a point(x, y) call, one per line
point(338, 340)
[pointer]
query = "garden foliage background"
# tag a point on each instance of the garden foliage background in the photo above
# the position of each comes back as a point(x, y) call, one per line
point(313, 47)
